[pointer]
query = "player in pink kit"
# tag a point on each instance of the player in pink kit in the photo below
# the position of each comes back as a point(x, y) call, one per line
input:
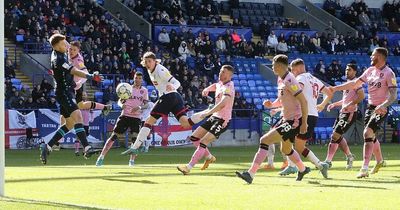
point(130, 117)
point(293, 122)
point(77, 61)
point(382, 90)
point(217, 123)
point(347, 116)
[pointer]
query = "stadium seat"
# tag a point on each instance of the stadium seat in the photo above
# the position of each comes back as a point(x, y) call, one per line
point(249, 76)
point(98, 96)
point(245, 88)
point(259, 83)
point(15, 81)
point(260, 88)
point(258, 77)
point(253, 89)
point(242, 76)
point(251, 83)
point(243, 82)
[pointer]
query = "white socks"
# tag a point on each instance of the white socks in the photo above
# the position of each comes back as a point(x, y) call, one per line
point(271, 154)
point(142, 136)
point(311, 157)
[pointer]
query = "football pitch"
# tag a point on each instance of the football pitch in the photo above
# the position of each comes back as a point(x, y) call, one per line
point(70, 182)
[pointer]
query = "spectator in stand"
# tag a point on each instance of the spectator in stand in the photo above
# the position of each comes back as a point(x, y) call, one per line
point(320, 70)
point(183, 51)
point(396, 51)
point(235, 37)
point(393, 26)
point(52, 103)
point(282, 47)
point(30, 104)
point(334, 72)
point(208, 68)
point(272, 41)
point(109, 95)
point(259, 50)
point(372, 45)
point(364, 19)
point(46, 87)
point(9, 69)
point(221, 45)
point(264, 29)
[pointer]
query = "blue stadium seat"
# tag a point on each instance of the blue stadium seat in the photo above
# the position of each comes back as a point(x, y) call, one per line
point(263, 94)
point(266, 82)
point(255, 94)
point(98, 96)
point(261, 88)
point(251, 83)
point(246, 95)
point(259, 83)
point(258, 77)
point(236, 82)
point(245, 88)
point(253, 89)
point(257, 101)
point(243, 82)
point(249, 76)
point(242, 76)
point(15, 81)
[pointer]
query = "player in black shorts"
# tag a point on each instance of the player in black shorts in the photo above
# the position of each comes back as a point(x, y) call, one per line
point(170, 100)
point(346, 118)
point(65, 96)
point(217, 123)
point(131, 117)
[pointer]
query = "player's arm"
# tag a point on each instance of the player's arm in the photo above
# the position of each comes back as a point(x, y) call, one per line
point(208, 89)
point(360, 96)
point(348, 85)
point(224, 101)
point(328, 93)
point(391, 99)
point(272, 105)
point(173, 84)
point(392, 85)
point(304, 112)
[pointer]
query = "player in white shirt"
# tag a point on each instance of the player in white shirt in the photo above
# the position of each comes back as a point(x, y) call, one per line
point(312, 87)
point(170, 100)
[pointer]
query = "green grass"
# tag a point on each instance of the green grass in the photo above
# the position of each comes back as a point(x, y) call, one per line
point(154, 183)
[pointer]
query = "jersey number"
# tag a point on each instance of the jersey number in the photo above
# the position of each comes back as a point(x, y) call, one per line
point(315, 89)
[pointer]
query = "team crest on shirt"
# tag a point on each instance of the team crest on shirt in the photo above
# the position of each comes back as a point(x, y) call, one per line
point(294, 87)
point(381, 75)
point(141, 91)
point(81, 65)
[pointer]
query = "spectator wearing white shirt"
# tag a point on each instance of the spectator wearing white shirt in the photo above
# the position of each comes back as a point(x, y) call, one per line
point(272, 41)
point(163, 37)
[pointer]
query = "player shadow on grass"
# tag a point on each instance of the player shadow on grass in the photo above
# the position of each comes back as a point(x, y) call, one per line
point(130, 181)
point(44, 204)
point(344, 186)
point(367, 180)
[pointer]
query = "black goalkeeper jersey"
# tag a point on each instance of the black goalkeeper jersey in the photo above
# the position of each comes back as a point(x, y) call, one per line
point(62, 72)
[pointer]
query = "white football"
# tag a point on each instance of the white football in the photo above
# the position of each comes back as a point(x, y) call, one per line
point(124, 90)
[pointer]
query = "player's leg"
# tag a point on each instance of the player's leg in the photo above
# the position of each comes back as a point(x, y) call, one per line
point(134, 125)
point(300, 146)
point(120, 127)
point(198, 154)
point(196, 137)
point(293, 156)
point(44, 148)
point(214, 127)
point(76, 118)
point(95, 105)
point(270, 158)
point(282, 131)
point(142, 135)
point(373, 127)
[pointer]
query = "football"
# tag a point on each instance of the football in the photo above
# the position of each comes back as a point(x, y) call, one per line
point(124, 90)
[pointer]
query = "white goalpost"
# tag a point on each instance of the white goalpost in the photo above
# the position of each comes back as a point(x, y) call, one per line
point(2, 123)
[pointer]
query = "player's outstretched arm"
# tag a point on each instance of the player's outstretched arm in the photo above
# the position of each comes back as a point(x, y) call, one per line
point(329, 94)
point(333, 105)
point(79, 73)
point(347, 86)
point(272, 105)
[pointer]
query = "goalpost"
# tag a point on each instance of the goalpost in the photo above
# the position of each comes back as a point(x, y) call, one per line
point(2, 134)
